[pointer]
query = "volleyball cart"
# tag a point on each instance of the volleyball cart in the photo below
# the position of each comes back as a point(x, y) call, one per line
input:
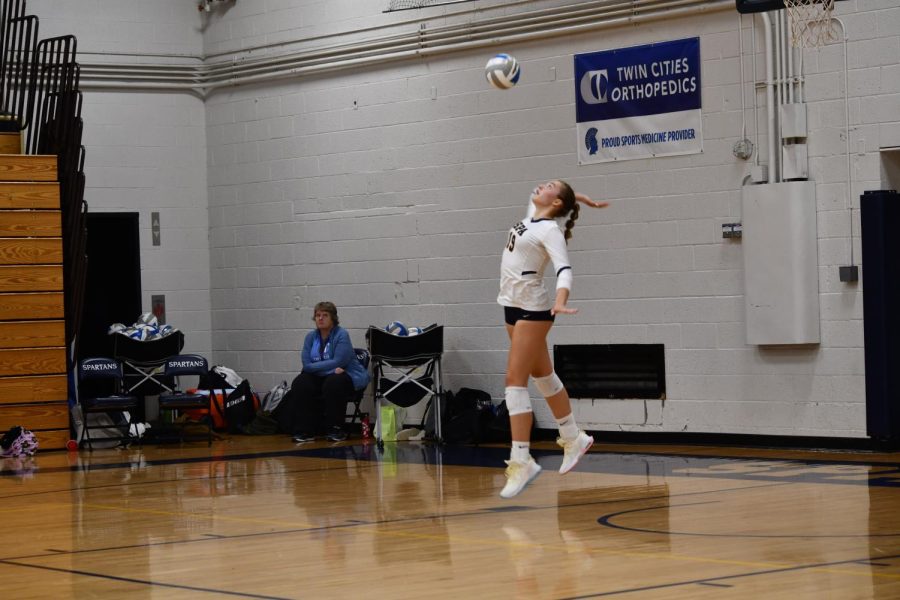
point(143, 363)
point(407, 370)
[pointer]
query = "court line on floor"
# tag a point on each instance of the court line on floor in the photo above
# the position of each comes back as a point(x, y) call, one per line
point(300, 453)
point(191, 588)
point(317, 453)
point(178, 479)
point(605, 520)
point(428, 517)
point(363, 526)
point(814, 567)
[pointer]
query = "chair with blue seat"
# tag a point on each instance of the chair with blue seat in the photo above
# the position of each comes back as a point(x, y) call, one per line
point(100, 384)
point(176, 367)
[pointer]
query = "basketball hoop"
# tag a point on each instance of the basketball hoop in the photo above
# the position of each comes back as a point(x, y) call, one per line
point(810, 20)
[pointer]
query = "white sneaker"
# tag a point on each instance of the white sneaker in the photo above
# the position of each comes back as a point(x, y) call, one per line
point(574, 450)
point(518, 475)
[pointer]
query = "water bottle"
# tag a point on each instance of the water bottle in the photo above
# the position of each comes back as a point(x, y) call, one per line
point(365, 426)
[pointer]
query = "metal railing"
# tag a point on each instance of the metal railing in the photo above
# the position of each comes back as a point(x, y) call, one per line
point(18, 42)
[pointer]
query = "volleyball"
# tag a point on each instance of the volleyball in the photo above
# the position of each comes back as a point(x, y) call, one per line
point(148, 319)
point(502, 71)
point(396, 327)
point(137, 333)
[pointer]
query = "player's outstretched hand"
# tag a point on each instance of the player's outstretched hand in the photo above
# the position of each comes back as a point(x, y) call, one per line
point(588, 202)
point(597, 204)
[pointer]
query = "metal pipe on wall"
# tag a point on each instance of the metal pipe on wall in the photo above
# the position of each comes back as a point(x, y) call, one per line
point(770, 98)
point(455, 38)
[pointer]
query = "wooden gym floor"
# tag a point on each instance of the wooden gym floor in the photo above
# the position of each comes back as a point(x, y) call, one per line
point(263, 518)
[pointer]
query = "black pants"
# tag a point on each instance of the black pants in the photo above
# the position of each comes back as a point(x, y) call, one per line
point(319, 403)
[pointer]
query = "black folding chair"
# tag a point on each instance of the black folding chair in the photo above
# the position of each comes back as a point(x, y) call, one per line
point(185, 365)
point(100, 392)
point(406, 370)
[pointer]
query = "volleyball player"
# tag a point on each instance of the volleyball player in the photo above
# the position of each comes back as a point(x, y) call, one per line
point(529, 314)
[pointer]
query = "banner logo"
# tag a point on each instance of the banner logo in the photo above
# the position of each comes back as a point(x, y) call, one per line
point(594, 85)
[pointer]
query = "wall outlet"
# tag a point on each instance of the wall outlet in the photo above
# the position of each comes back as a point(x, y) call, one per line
point(849, 274)
point(732, 230)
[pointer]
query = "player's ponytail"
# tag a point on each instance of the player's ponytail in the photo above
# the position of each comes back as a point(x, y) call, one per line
point(569, 207)
point(573, 216)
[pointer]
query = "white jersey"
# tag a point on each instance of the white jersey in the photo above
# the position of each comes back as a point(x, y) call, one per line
point(530, 245)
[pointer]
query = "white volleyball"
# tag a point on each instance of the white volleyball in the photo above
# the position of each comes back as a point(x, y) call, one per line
point(147, 319)
point(502, 71)
point(396, 327)
point(137, 333)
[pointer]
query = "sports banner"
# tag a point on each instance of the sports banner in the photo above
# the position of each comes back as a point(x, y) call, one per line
point(638, 102)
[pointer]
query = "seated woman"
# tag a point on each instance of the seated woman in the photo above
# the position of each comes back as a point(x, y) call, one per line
point(320, 393)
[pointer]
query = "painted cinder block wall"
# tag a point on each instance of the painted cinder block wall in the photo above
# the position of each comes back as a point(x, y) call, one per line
point(389, 190)
point(146, 151)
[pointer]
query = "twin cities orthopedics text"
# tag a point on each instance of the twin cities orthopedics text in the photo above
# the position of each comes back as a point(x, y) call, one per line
point(677, 71)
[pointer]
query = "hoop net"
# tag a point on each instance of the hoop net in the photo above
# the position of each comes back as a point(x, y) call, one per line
point(810, 20)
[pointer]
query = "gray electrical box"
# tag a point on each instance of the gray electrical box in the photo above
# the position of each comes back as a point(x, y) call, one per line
point(793, 121)
point(781, 272)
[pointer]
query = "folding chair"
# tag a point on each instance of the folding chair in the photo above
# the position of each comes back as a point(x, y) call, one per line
point(96, 377)
point(175, 400)
point(362, 355)
point(396, 361)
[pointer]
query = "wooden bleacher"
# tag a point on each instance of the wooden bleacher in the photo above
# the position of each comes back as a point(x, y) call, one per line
point(33, 388)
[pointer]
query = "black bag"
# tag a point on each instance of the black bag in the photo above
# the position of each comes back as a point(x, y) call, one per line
point(212, 381)
point(262, 424)
point(240, 407)
point(237, 409)
point(499, 430)
point(469, 415)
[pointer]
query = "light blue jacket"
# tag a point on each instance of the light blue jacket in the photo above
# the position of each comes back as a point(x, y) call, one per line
point(321, 357)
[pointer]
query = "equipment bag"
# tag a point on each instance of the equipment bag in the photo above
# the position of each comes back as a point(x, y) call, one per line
point(240, 407)
point(229, 409)
point(470, 413)
point(391, 418)
point(274, 397)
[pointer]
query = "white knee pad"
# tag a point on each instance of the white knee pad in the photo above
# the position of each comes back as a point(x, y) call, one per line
point(549, 385)
point(517, 400)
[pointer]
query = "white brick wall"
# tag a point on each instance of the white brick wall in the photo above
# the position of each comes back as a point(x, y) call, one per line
point(135, 27)
point(146, 152)
point(358, 187)
point(400, 203)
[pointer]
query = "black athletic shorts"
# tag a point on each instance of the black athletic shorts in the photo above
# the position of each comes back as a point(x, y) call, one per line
point(513, 314)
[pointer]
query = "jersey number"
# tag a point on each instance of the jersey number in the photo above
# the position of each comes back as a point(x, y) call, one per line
point(511, 243)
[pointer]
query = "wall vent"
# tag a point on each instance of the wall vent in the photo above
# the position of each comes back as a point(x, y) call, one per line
point(612, 370)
